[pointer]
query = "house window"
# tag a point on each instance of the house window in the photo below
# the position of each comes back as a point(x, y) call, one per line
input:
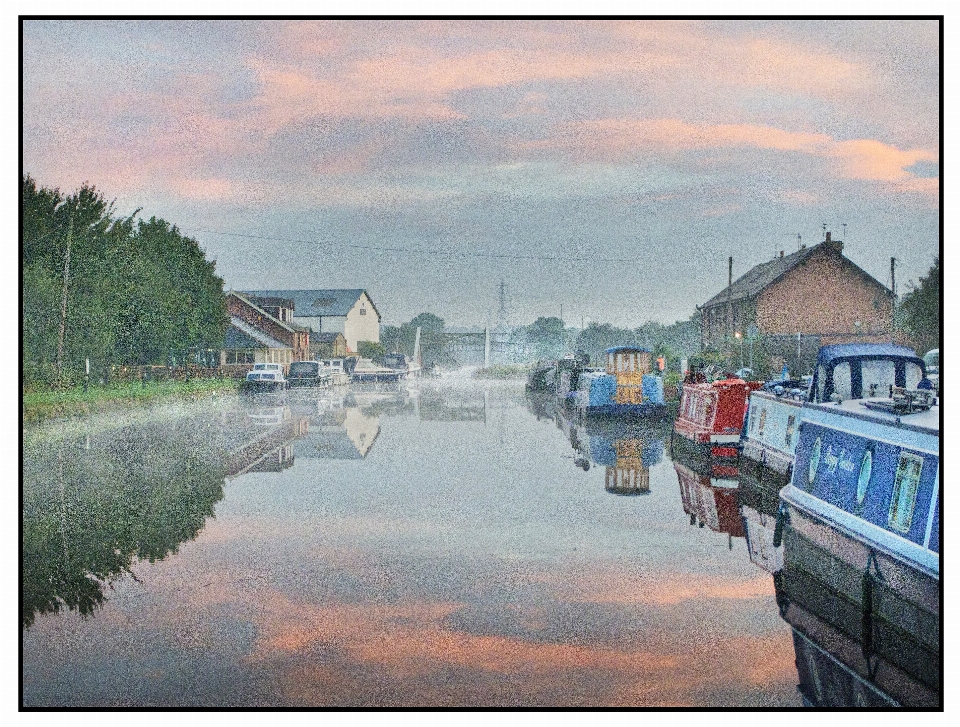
point(905, 488)
point(363, 311)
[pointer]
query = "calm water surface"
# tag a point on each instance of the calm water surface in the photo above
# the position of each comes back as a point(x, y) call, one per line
point(454, 544)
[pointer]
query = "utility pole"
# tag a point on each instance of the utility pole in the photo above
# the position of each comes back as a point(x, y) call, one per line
point(893, 301)
point(63, 301)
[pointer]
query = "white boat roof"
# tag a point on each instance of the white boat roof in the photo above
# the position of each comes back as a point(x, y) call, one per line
point(928, 420)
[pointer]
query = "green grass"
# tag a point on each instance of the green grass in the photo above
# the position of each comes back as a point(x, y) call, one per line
point(39, 406)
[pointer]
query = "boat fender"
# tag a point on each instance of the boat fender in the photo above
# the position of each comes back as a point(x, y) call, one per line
point(783, 517)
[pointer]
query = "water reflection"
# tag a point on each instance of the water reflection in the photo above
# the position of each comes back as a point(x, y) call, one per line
point(434, 557)
point(708, 491)
point(92, 505)
point(626, 449)
point(849, 654)
point(96, 503)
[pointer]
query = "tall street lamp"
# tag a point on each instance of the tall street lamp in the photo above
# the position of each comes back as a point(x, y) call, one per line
point(739, 337)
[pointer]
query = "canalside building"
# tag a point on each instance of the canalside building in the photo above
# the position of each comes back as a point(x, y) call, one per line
point(793, 304)
point(347, 311)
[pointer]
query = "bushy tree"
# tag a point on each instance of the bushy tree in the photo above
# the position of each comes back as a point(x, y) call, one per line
point(920, 310)
point(136, 291)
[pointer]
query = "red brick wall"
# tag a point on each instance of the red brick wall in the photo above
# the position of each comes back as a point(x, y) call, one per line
point(247, 313)
point(826, 295)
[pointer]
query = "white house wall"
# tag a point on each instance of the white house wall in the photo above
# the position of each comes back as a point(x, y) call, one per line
point(359, 327)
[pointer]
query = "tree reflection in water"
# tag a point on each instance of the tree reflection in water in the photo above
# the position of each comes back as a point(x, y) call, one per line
point(89, 514)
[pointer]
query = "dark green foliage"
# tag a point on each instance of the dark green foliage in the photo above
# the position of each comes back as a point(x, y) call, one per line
point(674, 342)
point(920, 311)
point(546, 337)
point(432, 339)
point(137, 290)
point(371, 350)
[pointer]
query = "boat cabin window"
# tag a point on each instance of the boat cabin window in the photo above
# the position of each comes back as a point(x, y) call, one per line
point(877, 376)
point(905, 488)
point(842, 380)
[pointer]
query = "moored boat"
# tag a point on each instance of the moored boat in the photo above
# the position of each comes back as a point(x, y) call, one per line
point(366, 371)
point(847, 371)
point(711, 417)
point(264, 378)
point(337, 371)
point(626, 388)
point(861, 515)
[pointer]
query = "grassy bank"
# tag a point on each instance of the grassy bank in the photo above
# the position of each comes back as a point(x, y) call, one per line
point(40, 406)
point(516, 371)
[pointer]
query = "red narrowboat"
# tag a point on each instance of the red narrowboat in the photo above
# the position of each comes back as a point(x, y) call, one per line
point(711, 416)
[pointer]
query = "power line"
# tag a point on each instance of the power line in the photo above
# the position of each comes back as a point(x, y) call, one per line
point(415, 251)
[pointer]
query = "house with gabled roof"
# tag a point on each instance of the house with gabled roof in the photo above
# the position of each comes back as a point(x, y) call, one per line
point(256, 336)
point(347, 311)
point(815, 296)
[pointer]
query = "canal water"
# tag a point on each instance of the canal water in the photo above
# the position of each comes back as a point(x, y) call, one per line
point(452, 543)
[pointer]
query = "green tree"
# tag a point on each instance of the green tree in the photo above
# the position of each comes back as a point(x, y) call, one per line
point(372, 350)
point(920, 311)
point(546, 337)
point(136, 291)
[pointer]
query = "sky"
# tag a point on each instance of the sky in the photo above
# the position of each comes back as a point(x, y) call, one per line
point(602, 169)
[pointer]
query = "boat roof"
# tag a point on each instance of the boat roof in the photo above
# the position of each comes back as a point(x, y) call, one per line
point(838, 351)
point(628, 349)
point(927, 421)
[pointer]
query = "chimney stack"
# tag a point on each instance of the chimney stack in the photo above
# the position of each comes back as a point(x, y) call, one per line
point(828, 237)
point(781, 253)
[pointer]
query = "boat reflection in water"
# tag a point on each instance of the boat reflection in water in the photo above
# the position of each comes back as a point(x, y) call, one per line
point(709, 491)
point(848, 655)
point(266, 435)
point(758, 511)
point(627, 449)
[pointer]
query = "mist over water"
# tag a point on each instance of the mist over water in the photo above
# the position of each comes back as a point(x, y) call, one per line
point(439, 544)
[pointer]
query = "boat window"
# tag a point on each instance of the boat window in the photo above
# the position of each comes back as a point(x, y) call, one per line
point(791, 425)
point(763, 421)
point(914, 374)
point(905, 488)
point(841, 380)
point(814, 461)
point(863, 481)
point(877, 377)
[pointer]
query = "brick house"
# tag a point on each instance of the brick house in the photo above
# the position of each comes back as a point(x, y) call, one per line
point(798, 302)
point(257, 336)
point(347, 311)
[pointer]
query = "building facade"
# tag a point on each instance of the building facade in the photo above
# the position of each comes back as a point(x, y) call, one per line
point(347, 311)
point(798, 302)
point(256, 336)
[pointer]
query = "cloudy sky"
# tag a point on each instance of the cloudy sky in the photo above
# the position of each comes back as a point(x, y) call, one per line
point(607, 167)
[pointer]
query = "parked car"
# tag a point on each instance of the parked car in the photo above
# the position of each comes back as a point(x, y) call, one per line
point(264, 377)
point(931, 360)
point(307, 374)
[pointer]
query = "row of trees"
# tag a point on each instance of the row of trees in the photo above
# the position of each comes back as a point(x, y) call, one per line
point(549, 338)
point(116, 290)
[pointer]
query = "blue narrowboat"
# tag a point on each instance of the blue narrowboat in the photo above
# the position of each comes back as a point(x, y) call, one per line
point(625, 388)
point(861, 513)
point(845, 371)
